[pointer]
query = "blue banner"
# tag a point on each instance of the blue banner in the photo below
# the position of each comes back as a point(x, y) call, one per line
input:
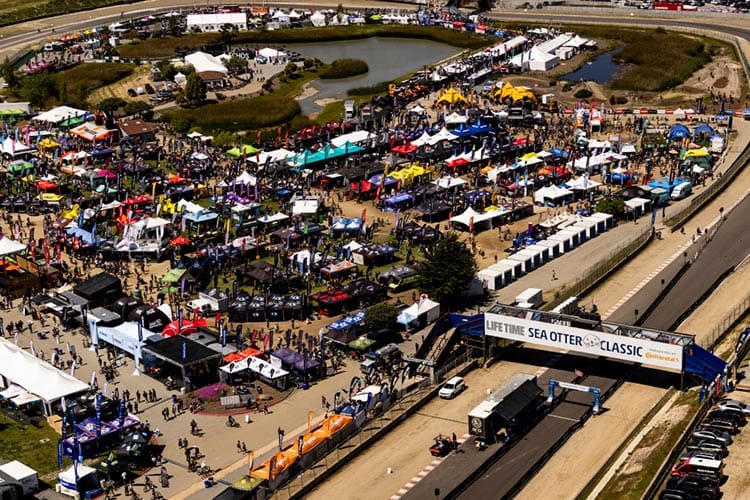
point(60, 453)
point(184, 350)
point(223, 336)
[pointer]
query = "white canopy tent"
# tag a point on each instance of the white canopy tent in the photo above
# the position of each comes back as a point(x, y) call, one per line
point(551, 194)
point(443, 135)
point(36, 376)
point(425, 310)
point(358, 137)
point(10, 247)
point(246, 179)
point(448, 182)
point(58, 114)
point(277, 155)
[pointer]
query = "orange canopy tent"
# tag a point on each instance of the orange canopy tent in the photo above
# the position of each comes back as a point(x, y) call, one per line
point(277, 464)
point(233, 357)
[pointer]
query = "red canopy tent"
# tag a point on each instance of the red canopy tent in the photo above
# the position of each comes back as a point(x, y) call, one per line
point(404, 149)
point(188, 327)
point(180, 240)
point(239, 356)
point(47, 185)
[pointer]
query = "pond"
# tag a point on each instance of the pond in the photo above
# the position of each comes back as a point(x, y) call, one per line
point(600, 70)
point(387, 58)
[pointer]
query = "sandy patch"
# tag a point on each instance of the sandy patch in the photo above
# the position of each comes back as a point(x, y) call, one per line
point(308, 90)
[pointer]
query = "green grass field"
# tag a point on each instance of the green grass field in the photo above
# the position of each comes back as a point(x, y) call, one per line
point(34, 446)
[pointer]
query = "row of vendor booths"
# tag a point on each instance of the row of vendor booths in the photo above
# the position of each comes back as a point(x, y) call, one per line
point(317, 442)
point(572, 231)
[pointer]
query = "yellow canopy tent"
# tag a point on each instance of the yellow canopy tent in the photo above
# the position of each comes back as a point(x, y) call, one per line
point(696, 153)
point(48, 143)
point(452, 96)
point(529, 156)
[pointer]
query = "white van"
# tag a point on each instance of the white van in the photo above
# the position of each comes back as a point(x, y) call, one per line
point(681, 191)
point(452, 388)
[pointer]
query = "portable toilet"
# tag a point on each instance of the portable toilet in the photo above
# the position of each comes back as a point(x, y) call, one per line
point(552, 246)
point(492, 278)
point(573, 234)
point(543, 252)
point(588, 228)
point(564, 242)
point(508, 268)
point(527, 260)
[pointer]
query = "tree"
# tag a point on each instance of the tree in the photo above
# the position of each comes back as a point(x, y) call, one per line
point(110, 105)
point(9, 74)
point(195, 90)
point(447, 270)
point(381, 315)
point(236, 65)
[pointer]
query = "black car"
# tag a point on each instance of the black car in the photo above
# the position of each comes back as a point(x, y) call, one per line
point(149, 89)
point(132, 93)
point(708, 455)
point(707, 445)
point(697, 485)
point(720, 423)
point(677, 495)
point(733, 416)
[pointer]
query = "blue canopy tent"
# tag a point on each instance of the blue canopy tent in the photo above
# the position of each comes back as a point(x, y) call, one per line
point(85, 236)
point(377, 179)
point(398, 199)
point(678, 131)
point(344, 224)
point(703, 129)
point(479, 127)
point(462, 130)
point(557, 153)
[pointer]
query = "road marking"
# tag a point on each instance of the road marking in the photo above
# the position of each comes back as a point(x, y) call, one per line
point(427, 469)
point(564, 418)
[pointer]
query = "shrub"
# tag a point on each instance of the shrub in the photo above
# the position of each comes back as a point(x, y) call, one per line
point(344, 68)
point(567, 87)
point(583, 94)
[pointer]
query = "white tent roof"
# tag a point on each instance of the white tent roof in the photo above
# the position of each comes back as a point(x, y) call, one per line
point(270, 53)
point(189, 206)
point(246, 178)
point(577, 42)
point(10, 247)
point(58, 114)
point(449, 182)
point(454, 118)
point(553, 44)
point(357, 137)
point(305, 206)
point(582, 182)
point(551, 192)
point(411, 313)
point(421, 140)
point(36, 376)
point(277, 217)
point(202, 61)
point(443, 135)
point(257, 365)
point(466, 216)
point(154, 222)
point(276, 155)
point(12, 147)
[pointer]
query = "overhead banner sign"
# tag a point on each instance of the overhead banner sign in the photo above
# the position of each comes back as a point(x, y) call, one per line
point(636, 350)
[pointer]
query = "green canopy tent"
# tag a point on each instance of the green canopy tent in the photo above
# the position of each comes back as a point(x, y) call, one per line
point(361, 344)
point(70, 122)
point(173, 276)
point(247, 149)
point(20, 167)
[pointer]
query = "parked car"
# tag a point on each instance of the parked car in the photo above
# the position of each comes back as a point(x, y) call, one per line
point(707, 445)
point(713, 435)
point(132, 93)
point(702, 486)
point(676, 495)
point(709, 455)
point(149, 89)
point(721, 424)
point(733, 416)
point(452, 388)
point(731, 404)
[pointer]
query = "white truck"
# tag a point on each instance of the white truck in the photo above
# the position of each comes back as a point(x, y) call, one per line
point(531, 298)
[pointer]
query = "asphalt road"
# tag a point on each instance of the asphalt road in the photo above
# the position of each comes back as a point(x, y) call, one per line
point(720, 256)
